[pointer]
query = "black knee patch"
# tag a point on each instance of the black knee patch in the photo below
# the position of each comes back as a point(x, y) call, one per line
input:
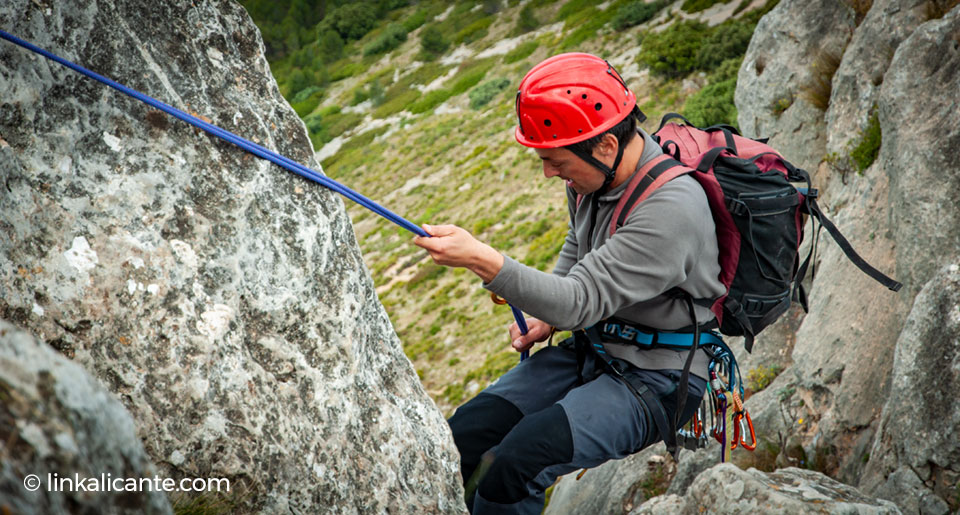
point(538, 441)
point(478, 426)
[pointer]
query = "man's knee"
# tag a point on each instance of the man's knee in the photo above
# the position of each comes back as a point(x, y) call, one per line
point(540, 440)
point(479, 425)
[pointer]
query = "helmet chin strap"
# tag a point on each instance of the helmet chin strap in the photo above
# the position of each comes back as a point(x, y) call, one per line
point(609, 172)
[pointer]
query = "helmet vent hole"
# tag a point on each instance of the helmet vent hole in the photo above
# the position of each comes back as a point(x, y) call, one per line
point(547, 122)
point(568, 91)
point(598, 106)
point(583, 96)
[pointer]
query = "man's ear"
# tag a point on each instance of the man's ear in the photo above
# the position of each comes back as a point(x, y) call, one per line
point(608, 146)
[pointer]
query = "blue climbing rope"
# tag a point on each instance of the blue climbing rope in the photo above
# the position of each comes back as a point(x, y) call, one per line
point(249, 146)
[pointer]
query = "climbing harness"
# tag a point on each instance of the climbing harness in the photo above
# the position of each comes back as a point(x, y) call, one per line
point(249, 146)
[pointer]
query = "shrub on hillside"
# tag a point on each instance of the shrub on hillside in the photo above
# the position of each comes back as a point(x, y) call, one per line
point(572, 7)
point(526, 20)
point(305, 93)
point(345, 68)
point(330, 45)
point(298, 80)
point(433, 42)
point(351, 21)
point(475, 31)
point(314, 123)
point(587, 23)
point(713, 104)
point(727, 40)
point(430, 100)
point(470, 75)
point(484, 93)
point(414, 21)
point(727, 70)
point(673, 52)
point(522, 51)
point(636, 13)
point(398, 103)
point(389, 39)
point(693, 6)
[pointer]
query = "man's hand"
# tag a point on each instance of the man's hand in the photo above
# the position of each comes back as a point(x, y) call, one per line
point(537, 331)
point(450, 245)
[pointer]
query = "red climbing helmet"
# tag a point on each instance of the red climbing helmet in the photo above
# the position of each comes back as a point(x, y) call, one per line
point(569, 98)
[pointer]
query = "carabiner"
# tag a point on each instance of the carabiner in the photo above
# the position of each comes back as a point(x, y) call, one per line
point(498, 300)
point(742, 432)
point(698, 421)
point(721, 418)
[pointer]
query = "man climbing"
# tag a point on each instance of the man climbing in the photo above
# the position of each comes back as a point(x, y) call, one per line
point(565, 407)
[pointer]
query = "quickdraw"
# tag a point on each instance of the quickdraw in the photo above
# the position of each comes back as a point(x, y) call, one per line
point(724, 390)
point(741, 422)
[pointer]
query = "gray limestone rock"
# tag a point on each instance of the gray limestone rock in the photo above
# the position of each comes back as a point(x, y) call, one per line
point(787, 43)
point(223, 299)
point(895, 218)
point(617, 486)
point(728, 489)
point(856, 84)
point(916, 454)
point(691, 465)
point(57, 425)
point(919, 102)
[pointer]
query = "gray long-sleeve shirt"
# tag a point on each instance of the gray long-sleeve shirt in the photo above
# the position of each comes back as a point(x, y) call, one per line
point(668, 241)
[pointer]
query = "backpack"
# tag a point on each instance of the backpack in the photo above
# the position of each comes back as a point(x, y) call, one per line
point(759, 215)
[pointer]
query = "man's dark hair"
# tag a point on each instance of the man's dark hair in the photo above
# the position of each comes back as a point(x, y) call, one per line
point(624, 131)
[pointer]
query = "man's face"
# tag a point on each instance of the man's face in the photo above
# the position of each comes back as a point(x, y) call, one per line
point(560, 162)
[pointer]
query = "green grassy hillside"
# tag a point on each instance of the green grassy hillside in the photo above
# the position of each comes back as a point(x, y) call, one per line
point(412, 105)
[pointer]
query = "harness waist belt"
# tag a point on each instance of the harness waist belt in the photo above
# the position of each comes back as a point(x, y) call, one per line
point(619, 332)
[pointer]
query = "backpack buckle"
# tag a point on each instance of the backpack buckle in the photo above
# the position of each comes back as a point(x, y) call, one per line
point(810, 193)
point(736, 207)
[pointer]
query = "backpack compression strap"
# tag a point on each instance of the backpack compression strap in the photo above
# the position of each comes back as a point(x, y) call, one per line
point(815, 211)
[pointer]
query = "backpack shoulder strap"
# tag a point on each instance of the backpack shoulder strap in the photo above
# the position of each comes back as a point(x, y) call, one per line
point(655, 173)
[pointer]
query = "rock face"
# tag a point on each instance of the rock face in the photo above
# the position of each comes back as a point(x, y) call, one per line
point(56, 421)
point(617, 486)
point(728, 489)
point(787, 48)
point(221, 298)
point(856, 85)
point(917, 454)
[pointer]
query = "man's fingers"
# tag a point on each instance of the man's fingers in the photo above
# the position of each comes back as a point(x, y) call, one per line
point(439, 230)
point(425, 243)
point(519, 345)
point(514, 331)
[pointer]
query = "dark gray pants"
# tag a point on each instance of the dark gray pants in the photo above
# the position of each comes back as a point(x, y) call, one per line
point(537, 423)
